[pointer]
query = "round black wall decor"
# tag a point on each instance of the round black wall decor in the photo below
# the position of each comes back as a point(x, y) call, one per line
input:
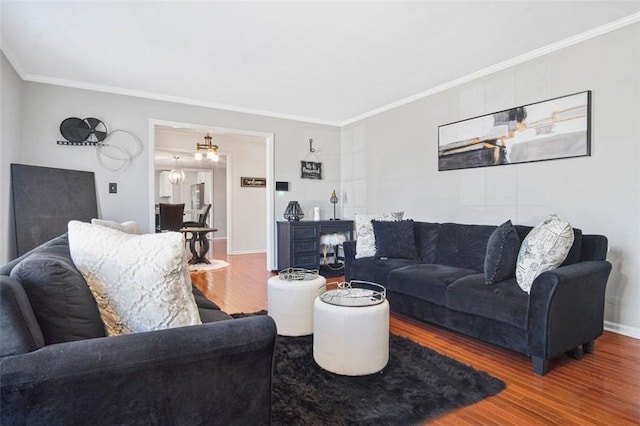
point(90, 130)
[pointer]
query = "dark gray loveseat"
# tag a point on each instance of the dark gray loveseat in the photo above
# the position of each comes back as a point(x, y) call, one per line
point(445, 284)
point(57, 368)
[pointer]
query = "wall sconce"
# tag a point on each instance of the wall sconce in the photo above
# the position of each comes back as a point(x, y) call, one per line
point(207, 150)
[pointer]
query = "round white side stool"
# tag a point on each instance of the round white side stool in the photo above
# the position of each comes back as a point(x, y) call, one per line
point(351, 339)
point(290, 303)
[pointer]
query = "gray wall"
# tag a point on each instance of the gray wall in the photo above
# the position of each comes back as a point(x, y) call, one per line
point(10, 143)
point(390, 160)
point(45, 106)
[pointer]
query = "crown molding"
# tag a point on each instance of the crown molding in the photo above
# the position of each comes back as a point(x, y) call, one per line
point(35, 78)
point(554, 47)
point(545, 50)
point(13, 61)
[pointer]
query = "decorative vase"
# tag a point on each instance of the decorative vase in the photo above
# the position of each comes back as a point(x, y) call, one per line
point(316, 213)
point(293, 211)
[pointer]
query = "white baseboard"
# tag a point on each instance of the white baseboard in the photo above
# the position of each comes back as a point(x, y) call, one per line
point(248, 251)
point(622, 329)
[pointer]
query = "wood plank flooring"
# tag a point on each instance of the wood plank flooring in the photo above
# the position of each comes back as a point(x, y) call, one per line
point(601, 389)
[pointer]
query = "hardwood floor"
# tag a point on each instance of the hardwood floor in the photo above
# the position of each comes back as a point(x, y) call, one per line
point(601, 389)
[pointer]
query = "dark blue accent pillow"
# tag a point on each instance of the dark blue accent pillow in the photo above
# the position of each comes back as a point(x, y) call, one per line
point(502, 253)
point(395, 239)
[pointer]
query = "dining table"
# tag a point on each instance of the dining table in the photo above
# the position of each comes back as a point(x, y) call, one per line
point(198, 243)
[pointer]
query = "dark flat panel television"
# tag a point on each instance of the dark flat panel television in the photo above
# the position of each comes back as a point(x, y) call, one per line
point(45, 199)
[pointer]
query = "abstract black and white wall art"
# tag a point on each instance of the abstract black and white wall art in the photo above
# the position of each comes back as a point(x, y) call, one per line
point(551, 129)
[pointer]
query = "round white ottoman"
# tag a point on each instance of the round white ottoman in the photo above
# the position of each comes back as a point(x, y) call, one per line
point(290, 303)
point(351, 340)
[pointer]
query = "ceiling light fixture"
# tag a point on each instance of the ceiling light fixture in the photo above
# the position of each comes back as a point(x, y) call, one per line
point(176, 175)
point(207, 149)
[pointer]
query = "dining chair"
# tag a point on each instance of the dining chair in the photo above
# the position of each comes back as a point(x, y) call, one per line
point(171, 216)
point(201, 223)
point(202, 219)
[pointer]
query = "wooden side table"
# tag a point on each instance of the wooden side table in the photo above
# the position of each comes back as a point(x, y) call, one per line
point(200, 236)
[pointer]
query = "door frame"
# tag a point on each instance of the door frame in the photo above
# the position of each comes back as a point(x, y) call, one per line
point(270, 192)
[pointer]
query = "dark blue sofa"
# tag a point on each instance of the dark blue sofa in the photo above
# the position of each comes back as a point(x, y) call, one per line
point(445, 285)
point(58, 368)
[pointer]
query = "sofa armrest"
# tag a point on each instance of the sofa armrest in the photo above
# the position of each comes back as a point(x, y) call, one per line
point(349, 248)
point(211, 373)
point(566, 308)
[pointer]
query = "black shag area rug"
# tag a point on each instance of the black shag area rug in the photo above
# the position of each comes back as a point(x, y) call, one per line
point(416, 385)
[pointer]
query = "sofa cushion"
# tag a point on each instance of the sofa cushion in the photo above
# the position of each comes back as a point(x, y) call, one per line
point(502, 253)
point(20, 330)
point(62, 240)
point(140, 282)
point(503, 301)
point(201, 301)
point(59, 295)
point(543, 249)
point(426, 240)
point(365, 239)
point(376, 270)
point(426, 281)
point(213, 315)
point(394, 239)
point(576, 249)
point(463, 246)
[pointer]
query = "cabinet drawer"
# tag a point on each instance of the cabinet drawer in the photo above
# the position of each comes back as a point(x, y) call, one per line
point(335, 229)
point(302, 232)
point(305, 260)
point(305, 246)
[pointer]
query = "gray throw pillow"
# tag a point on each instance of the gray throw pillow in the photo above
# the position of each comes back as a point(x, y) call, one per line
point(395, 239)
point(502, 253)
point(60, 297)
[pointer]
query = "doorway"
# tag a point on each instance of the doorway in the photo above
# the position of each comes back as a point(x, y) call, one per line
point(237, 147)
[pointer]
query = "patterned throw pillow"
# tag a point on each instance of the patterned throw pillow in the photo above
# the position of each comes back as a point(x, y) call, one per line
point(366, 240)
point(140, 282)
point(545, 248)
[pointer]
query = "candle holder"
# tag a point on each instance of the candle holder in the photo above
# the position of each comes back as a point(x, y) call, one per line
point(334, 201)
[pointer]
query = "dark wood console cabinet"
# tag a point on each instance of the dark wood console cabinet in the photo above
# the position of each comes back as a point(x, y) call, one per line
point(299, 242)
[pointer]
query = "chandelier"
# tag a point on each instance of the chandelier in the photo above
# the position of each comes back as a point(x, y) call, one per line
point(207, 149)
point(176, 175)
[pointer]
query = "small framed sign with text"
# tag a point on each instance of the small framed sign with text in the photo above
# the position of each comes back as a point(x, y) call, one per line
point(253, 182)
point(311, 170)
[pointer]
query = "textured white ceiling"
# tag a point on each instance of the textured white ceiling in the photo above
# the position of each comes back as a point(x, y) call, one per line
point(327, 62)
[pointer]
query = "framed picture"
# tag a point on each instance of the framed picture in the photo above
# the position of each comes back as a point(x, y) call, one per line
point(551, 129)
point(311, 170)
point(253, 182)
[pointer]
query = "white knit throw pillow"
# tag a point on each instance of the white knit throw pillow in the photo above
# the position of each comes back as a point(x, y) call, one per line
point(130, 227)
point(365, 238)
point(140, 282)
point(543, 249)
